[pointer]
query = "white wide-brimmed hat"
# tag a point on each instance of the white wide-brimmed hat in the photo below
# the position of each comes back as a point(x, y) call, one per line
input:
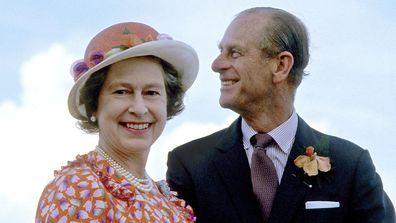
point(127, 40)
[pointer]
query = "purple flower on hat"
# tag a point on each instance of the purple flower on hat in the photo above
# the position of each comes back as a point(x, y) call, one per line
point(78, 68)
point(96, 57)
point(164, 36)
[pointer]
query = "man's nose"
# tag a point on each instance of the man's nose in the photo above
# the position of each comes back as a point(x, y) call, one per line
point(220, 63)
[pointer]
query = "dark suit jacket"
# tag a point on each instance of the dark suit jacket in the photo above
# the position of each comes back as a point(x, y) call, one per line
point(212, 174)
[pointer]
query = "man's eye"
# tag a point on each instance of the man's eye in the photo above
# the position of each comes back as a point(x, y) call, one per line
point(235, 54)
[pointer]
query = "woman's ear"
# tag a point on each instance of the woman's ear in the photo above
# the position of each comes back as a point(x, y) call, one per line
point(283, 64)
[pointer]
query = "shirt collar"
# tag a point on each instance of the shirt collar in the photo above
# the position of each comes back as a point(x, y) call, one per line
point(283, 135)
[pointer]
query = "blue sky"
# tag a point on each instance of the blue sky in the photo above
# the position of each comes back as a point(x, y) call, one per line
point(350, 91)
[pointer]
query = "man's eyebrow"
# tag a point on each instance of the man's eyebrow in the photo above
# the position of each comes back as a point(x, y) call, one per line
point(228, 46)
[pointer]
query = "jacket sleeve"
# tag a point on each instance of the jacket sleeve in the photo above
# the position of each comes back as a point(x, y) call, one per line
point(180, 180)
point(369, 201)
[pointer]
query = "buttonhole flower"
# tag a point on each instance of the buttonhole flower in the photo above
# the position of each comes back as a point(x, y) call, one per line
point(312, 163)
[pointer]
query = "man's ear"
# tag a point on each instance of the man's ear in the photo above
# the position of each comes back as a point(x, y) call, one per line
point(283, 64)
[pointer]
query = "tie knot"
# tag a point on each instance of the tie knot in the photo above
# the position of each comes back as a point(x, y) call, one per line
point(261, 140)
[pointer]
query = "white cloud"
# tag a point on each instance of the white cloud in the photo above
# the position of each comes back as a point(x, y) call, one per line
point(39, 135)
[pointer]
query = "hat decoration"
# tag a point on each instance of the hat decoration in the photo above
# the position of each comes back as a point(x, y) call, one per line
point(126, 40)
point(79, 67)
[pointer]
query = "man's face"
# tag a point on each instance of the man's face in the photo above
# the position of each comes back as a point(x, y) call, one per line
point(245, 73)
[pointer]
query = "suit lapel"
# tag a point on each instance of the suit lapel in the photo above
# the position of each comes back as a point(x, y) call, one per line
point(292, 188)
point(232, 165)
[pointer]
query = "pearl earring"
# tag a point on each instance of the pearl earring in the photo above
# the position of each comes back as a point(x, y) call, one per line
point(92, 118)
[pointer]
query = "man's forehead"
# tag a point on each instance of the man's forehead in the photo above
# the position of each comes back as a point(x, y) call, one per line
point(241, 32)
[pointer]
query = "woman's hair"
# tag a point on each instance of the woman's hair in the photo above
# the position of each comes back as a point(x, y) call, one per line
point(89, 94)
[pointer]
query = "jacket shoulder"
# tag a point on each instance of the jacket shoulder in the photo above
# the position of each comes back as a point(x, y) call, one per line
point(201, 144)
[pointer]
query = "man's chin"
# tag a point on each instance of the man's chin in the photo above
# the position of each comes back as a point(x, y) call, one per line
point(228, 104)
point(224, 103)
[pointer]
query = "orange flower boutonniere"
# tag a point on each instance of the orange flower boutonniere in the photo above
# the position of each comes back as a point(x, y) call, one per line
point(312, 163)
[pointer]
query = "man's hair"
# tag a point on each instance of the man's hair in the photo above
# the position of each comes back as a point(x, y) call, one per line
point(284, 32)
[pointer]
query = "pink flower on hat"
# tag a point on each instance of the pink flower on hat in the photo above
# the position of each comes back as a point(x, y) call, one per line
point(164, 36)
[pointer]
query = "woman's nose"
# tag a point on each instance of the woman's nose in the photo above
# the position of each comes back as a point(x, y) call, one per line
point(138, 106)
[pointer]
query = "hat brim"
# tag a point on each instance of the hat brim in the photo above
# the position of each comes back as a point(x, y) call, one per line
point(180, 55)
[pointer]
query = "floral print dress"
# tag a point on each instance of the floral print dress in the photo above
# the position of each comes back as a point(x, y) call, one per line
point(89, 190)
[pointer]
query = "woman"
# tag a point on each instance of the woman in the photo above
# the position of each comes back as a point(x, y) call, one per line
point(132, 80)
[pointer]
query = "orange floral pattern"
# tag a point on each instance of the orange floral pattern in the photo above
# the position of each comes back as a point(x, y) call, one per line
point(89, 190)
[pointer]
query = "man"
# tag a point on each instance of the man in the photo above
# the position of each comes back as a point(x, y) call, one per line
point(263, 54)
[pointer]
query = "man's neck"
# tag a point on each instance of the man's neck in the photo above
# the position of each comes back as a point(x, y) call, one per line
point(266, 121)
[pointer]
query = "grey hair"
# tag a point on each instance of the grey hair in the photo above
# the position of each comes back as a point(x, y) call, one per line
point(284, 32)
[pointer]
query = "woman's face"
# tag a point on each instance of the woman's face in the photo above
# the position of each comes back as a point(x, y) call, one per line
point(132, 105)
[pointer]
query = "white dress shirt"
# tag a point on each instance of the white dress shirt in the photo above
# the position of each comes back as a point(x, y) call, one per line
point(278, 152)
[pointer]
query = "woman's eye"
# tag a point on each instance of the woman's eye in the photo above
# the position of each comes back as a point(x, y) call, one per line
point(152, 93)
point(121, 91)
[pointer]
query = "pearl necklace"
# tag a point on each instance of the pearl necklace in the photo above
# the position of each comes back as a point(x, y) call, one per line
point(144, 185)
